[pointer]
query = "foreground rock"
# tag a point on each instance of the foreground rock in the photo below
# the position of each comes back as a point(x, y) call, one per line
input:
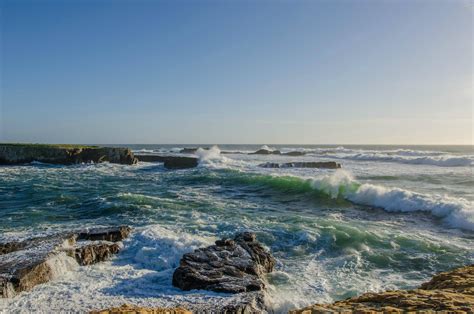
point(25, 264)
point(231, 265)
point(171, 162)
point(128, 309)
point(451, 291)
point(64, 154)
point(309, 164)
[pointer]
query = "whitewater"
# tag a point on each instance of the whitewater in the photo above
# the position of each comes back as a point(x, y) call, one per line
point(388, 219)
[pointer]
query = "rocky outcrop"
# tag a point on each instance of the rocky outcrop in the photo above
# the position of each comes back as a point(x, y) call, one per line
point(452, 292)
point(25, 264)
point(64, 154)
point(231, 265)
point(171, 162)
point(308, 164)
point(266, 152)
point(130, 309)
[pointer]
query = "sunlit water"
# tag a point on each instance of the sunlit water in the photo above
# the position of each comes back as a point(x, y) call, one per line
point(389, 219)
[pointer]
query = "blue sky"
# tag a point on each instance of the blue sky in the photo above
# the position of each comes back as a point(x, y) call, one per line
point(314, 72)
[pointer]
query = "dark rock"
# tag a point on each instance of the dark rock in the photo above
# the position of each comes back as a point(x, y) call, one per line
point(191, 150)
point(309, 164)
point(64, 154)
point(266, 152)
point(231, 265)
point(25, 264)
point(171, 162)
point(95, 252)
point(113, 234)
point(295, 153)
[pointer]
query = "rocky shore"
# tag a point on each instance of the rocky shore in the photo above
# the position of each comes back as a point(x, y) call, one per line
point(450, 292)
point(64, 154)
point(27, 263)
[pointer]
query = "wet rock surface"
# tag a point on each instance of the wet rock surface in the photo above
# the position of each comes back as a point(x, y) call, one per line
point(25, 264)
point(266, 152)
point(171, 162)
point(129, 309)
point(451, 292)
point(308, 164)
point(231, 265)
point(66, 155)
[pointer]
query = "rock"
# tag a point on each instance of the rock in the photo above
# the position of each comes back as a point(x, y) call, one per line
point(309, 164)
point(191, 150)
point(171, 162)
point(25, 264)
point(64, 154)
point(295, 153)
point(266, 152)
point(451, 291)
point(92, 253)
point(129, 309)
point(113, 234)
point(231, 265)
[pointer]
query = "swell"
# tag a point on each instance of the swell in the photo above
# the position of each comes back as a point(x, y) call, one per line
point(340, 185)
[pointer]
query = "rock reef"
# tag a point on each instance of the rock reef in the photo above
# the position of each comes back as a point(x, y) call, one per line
point(307, 164)
point(451, 292)
point(231, 265)
point(64, 154)
point(25, 264)
point(171, 162)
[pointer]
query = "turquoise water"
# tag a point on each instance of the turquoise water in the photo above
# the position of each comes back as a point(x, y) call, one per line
point(389, 219)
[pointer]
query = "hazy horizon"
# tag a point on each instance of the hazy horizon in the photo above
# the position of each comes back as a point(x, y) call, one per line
point(303, 72)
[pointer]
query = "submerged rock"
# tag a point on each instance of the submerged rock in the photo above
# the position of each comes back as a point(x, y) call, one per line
point(295, 153)
point(171, 162)
point(25, 264)
point(451, 291)
point(231, 265)
point(307, 164)
point(64, 154)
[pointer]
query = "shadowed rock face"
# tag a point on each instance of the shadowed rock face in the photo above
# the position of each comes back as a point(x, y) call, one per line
point(25, 264)
point(171, 162)
point(309, 164)
point(54, 154)
point(231, 265)
point(451, 291)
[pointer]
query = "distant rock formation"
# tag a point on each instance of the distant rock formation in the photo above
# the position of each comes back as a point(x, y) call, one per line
point(64, 154)
point(307, 164)
point(450, 292)
point(264, 151)
point(25, 264)
point(231, 265)
point(171, 162)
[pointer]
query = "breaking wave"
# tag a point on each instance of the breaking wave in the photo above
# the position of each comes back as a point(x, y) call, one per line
point(455, 212)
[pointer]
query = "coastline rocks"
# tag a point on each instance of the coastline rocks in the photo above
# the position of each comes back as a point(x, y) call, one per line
point(25, 264)
point(64, 154)
point(171, 162)
point(129, 309)
point(451, 291)
point(294, 153)
point(231, 265)
point(309, 164)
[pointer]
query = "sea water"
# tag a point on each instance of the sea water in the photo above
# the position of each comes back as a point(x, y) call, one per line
point(390, 218)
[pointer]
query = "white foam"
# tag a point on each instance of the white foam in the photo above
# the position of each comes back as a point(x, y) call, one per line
point(456, 212)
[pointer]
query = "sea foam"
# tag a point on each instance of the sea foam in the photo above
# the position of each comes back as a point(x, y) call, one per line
point(456, 212)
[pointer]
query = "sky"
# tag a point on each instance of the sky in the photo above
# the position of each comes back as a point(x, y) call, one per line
point(230, 71)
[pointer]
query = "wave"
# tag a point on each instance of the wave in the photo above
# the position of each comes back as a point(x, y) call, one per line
point(455, 212)
point(442, 161)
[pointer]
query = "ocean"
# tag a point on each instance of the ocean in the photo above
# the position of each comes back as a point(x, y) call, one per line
point(390, 218)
